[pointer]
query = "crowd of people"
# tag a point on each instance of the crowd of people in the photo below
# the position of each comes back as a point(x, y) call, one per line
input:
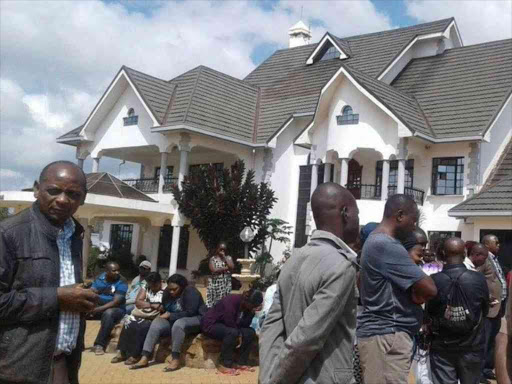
point(364, 305)
point(384, 298)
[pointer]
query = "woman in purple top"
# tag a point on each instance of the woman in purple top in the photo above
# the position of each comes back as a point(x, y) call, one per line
point(228, 320)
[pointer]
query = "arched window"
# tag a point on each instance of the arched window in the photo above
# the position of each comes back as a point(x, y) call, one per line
point(347, 116)
point(132, 118)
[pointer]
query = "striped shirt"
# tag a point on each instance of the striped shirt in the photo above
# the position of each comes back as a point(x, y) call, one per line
point(69, 322)
point(501, 276)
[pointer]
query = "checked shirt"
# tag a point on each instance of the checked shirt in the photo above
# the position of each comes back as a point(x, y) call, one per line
point(69, 322)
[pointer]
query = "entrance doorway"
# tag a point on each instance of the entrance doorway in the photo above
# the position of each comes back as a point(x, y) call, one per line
point(355, 171)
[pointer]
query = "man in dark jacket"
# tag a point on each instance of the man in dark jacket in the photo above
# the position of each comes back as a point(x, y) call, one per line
point(41, 299)
point(457, 356)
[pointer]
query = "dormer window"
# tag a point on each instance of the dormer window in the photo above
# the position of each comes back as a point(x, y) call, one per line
point(132, 118)
point(347, 116)
point(331, 53)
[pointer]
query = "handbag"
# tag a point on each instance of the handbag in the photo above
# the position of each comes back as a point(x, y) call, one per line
point(146, 313)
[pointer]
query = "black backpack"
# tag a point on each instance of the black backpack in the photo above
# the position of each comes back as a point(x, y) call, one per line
point(458, 317)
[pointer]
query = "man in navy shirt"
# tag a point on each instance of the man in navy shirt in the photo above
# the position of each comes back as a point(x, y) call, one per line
point(111, 288)
point(392, 290)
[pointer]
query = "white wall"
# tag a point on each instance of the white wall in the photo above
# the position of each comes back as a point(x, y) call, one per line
point(375, 130)
point(490, 223)
point(499, 137)
point(111, 132)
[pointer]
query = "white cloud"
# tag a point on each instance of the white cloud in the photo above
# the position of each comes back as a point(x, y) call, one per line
point(478, 21)
point(13, 179)
point(39, 108)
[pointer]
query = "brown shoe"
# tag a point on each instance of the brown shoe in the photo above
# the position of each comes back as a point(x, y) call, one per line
point(118, 358)
point(174, 365)
point(132, 360)
point(143, 363)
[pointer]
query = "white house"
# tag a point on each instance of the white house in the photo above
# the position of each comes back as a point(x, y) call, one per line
point(410, 110)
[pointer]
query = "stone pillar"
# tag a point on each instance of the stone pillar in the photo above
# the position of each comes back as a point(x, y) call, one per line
point(184, 147)
point(385, 180)
point(400, 185)
point(344, 172)
point(80, 163)
point(96, 164)
point(86, 247)
point(175, 246)
point(163, 171)
point(327, 172)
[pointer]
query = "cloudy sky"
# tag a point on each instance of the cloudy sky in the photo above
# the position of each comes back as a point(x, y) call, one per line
point(58, 57)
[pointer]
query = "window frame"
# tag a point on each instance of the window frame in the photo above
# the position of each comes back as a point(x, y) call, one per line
point(347, 118)
point(131, 118)
point(393, 167)
point(458, 176)
point(169, 174)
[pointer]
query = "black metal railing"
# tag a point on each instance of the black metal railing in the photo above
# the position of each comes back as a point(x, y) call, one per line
point(151, 185)
point(364, 191)
point(417, 194)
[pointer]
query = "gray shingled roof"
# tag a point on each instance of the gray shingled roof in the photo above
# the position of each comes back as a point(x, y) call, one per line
point(496, 195)
point(214, 101)
point(437, 96)
point(155, 92)
point(105, 184)
point(496, 198)
point(461, 90)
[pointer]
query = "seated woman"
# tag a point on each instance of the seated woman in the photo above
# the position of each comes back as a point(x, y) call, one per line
point(228, 320)
point(148, 306)
point(182, 305)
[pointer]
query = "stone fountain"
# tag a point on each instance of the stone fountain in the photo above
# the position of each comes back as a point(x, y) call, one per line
point(245, 277)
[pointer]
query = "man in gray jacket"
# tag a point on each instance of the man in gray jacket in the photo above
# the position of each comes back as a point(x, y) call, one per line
point(41, 300)
point(308, 334)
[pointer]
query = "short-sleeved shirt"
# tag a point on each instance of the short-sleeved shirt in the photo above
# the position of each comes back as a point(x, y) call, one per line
point(387, 274)
point(107, 290)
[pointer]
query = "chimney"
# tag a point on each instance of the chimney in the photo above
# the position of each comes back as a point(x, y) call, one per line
point(299, 35)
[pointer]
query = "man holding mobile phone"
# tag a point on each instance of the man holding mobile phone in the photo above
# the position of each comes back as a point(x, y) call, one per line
point(42, 299)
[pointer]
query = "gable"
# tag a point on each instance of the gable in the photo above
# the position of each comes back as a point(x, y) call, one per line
point(327, 45)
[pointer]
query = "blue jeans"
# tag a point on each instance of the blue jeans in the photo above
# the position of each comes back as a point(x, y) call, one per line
point(109, 319)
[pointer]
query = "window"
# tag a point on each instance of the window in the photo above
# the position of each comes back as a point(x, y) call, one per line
point(393, 174)
point(165, 244)
point(448, 176)
point(301, 238)
point(131, 119)
point(167, 176)
point(435, 238)
point(219, 168)
point(331, 53)
point(121, 237)
point(347, 116)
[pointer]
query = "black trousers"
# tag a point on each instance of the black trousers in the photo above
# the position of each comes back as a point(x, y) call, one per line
point(450, 367)
point(492, 327)
point(228, 336)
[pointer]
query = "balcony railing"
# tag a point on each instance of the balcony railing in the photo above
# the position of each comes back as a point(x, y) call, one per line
point(417, 194)
point(151, 185)
point(364, 191)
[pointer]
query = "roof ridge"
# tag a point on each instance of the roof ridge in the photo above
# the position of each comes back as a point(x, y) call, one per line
point(193, 91)
point(401, 28)
point(488, 183)
point(169, 105)
point(424, 116)
point(479, 44)
point(95, 181)
point(115, 185)
point(184, 73)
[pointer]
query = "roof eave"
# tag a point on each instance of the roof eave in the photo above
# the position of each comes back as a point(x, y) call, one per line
point(465, 214)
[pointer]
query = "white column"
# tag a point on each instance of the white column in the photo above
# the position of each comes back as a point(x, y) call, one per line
point(385, 180)
point(80, 163)
point(96, 164)
point(175, 245)
point(184, 147)
point(327, 172)
point(344, 172)
point(163, 171)
point(314, 178)
point(400, 185)
point(86, 245)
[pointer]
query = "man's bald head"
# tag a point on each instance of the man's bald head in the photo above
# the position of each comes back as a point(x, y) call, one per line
point(43, 176)
point(335, 210)
point(454, 250)
point(478, 254)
